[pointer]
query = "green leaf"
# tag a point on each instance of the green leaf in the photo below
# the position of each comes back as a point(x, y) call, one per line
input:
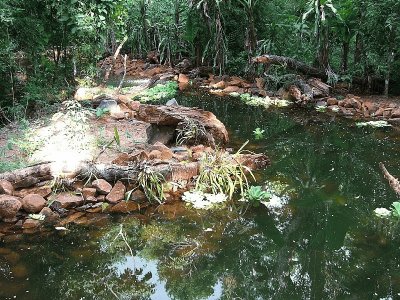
point(116, 136)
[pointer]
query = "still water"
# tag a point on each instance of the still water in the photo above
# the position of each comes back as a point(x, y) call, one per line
point(319, 238)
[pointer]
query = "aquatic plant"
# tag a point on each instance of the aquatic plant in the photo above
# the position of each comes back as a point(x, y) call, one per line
point(255, 195)
point(382, 212)
point(258, 133)
point(152, 184)
point(395, 209)
point(220, 173)
point(320, 108)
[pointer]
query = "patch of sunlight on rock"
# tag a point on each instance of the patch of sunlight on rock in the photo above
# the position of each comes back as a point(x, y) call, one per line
point(66, 141)
point(200, 200)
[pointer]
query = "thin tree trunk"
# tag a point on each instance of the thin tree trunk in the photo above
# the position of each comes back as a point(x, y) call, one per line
point(358, 49)
point(345, 55)
point(114, 58)
point(123, 76)
point(390, 60)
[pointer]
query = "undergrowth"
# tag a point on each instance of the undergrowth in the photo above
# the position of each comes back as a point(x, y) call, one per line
point(159, 92)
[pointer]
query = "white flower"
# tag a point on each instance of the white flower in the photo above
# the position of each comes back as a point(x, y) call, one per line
point(216, 198)
point(382, 212)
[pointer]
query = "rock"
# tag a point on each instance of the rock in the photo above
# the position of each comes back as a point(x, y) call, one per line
point(43, 191)
point(33, 203)
point(125, 207)
point(71, 218)
point(138, 196)
point(102, 186)
point(332, 101)
point(395, 113)
point(218, 85)
point(85, 94)
point(9, 206)
point(260, 82)
point(172, 102)
point(89, 194)
point(68, 200)
point(198, 155)
point(164, 152)
point(379, 112)
point(182, 78)
point(321, 103)
point(232, 89)
point(134, 105)
point(6, 187)
point(197, 148)
point(50, 216)
point(117, 193)
point(387, 113)
point(181, 156)
point(155, 154)
point(370, 106)
point(30, 223)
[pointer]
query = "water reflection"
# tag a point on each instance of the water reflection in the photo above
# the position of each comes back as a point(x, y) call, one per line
point(320, 240)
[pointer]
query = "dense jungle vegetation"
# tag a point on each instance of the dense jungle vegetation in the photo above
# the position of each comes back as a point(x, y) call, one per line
point(47, 47)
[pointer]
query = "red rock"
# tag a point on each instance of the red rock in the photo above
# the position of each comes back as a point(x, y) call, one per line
point(9, 206)
point(101, 198)
point(182, 78)
point(379, 112)
point(117, 193)
point(395, 113)
point(392, 105)
point(68, 200)
point(33, 203)
point(124, 99)
point(165, 152)
point(232, 89)
point(331, 101)
point(260, 82)
point(50, 216)
point(155, 154)
point(138, 196)
point(387, 113)
point(219, 85)
point(125, 207)
point(198, 155)
point(197, 148)
point(134, 105)
point(89, 193)
point(102, 186)
point(30, 223)
point(43, 191)
point(71, 218)
point(6, 187)
point(370, 106)
point(181, 156)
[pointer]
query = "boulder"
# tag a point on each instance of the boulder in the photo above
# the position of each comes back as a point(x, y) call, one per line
point(218, 85)
point(102, 186)
point(6, 187)
point(9, 206)
point(232, 89)
point(164, 152)
point(138, 196)
point(33, 203)
point(117, 193)
point(182, 78)
point(30, 224)
point(332, 101)
point(68, 200)
point(50, 216)
point(43, 191)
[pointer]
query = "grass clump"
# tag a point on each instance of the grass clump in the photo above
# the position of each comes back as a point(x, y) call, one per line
point(159, 92)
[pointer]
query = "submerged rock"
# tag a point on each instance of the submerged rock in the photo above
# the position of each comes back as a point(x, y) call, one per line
point(172, 102)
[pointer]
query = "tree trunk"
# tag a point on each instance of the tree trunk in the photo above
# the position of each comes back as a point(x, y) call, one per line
point(393, 181)
point(390, 60)
point(345, 55)
point(358, 49)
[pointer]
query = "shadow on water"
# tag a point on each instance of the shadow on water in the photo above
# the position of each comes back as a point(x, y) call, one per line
point(319, 241)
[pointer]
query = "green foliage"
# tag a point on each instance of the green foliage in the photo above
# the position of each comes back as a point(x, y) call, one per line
point(255, 194)
point(101, 111)
point(258, 133)
point(190, 131)
point(151, 183)
point(396, 209)
point(159, 92)
point(219, 174)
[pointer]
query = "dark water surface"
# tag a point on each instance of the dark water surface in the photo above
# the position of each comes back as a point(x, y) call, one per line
point(319, 239)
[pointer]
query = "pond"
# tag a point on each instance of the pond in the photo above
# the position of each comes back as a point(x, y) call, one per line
point(318, 239)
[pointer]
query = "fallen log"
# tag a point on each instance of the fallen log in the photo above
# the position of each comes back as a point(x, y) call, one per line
point(291, 64)
point(171, 171)
point(393, 181)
